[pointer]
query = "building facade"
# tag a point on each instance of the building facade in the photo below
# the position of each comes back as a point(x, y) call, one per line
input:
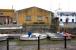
point(65, 16)
point(6, 16)
point(67, 20)
point(34, 17)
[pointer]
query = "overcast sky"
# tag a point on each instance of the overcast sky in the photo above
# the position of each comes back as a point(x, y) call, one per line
point(66, 5)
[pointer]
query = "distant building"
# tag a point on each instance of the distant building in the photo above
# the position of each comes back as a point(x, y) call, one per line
point(67, 16)
point(8, 20)
point(67, 20)
point(34, 17)
point(6, 16)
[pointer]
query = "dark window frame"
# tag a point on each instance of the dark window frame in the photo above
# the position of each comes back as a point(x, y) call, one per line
point(61, 20)
point(40, 18)
point(28, 18)
point(72, 20)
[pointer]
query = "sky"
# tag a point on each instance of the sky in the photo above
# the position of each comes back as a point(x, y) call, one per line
point(65, 5)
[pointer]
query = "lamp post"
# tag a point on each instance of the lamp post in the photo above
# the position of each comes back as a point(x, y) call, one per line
point(65, 35)
point(65, 42)
point(39, 42)
point(7, 40)
point(7, 43)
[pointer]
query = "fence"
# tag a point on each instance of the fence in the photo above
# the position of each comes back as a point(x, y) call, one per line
point(33, 45)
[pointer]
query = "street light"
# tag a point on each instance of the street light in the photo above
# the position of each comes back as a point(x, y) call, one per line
point(65, 40)
point(39, 42)
point(65, 35)
point(8, 38)
point(7, 43)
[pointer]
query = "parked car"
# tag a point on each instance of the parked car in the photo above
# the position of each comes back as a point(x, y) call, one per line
point(34, 36)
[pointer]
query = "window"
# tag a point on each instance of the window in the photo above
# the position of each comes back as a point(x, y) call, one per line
point(14, 22)
point(40, 18)
point(1, 13)
point(67, 20)
point(72, 20)
point(67, 13)
point(60, 19)
point(74, 14)
point(61, 14)
point(28, 18)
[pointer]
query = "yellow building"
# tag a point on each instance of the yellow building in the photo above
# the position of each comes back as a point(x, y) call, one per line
point(6, 16)
point(34, 17)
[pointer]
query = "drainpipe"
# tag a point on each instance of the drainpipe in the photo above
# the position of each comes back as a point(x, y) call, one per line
point(50, 18)
point(17, 18)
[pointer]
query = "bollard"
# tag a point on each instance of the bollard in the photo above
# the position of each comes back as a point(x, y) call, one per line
point(65, 42)
point(38, 42)
point(7, 43)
